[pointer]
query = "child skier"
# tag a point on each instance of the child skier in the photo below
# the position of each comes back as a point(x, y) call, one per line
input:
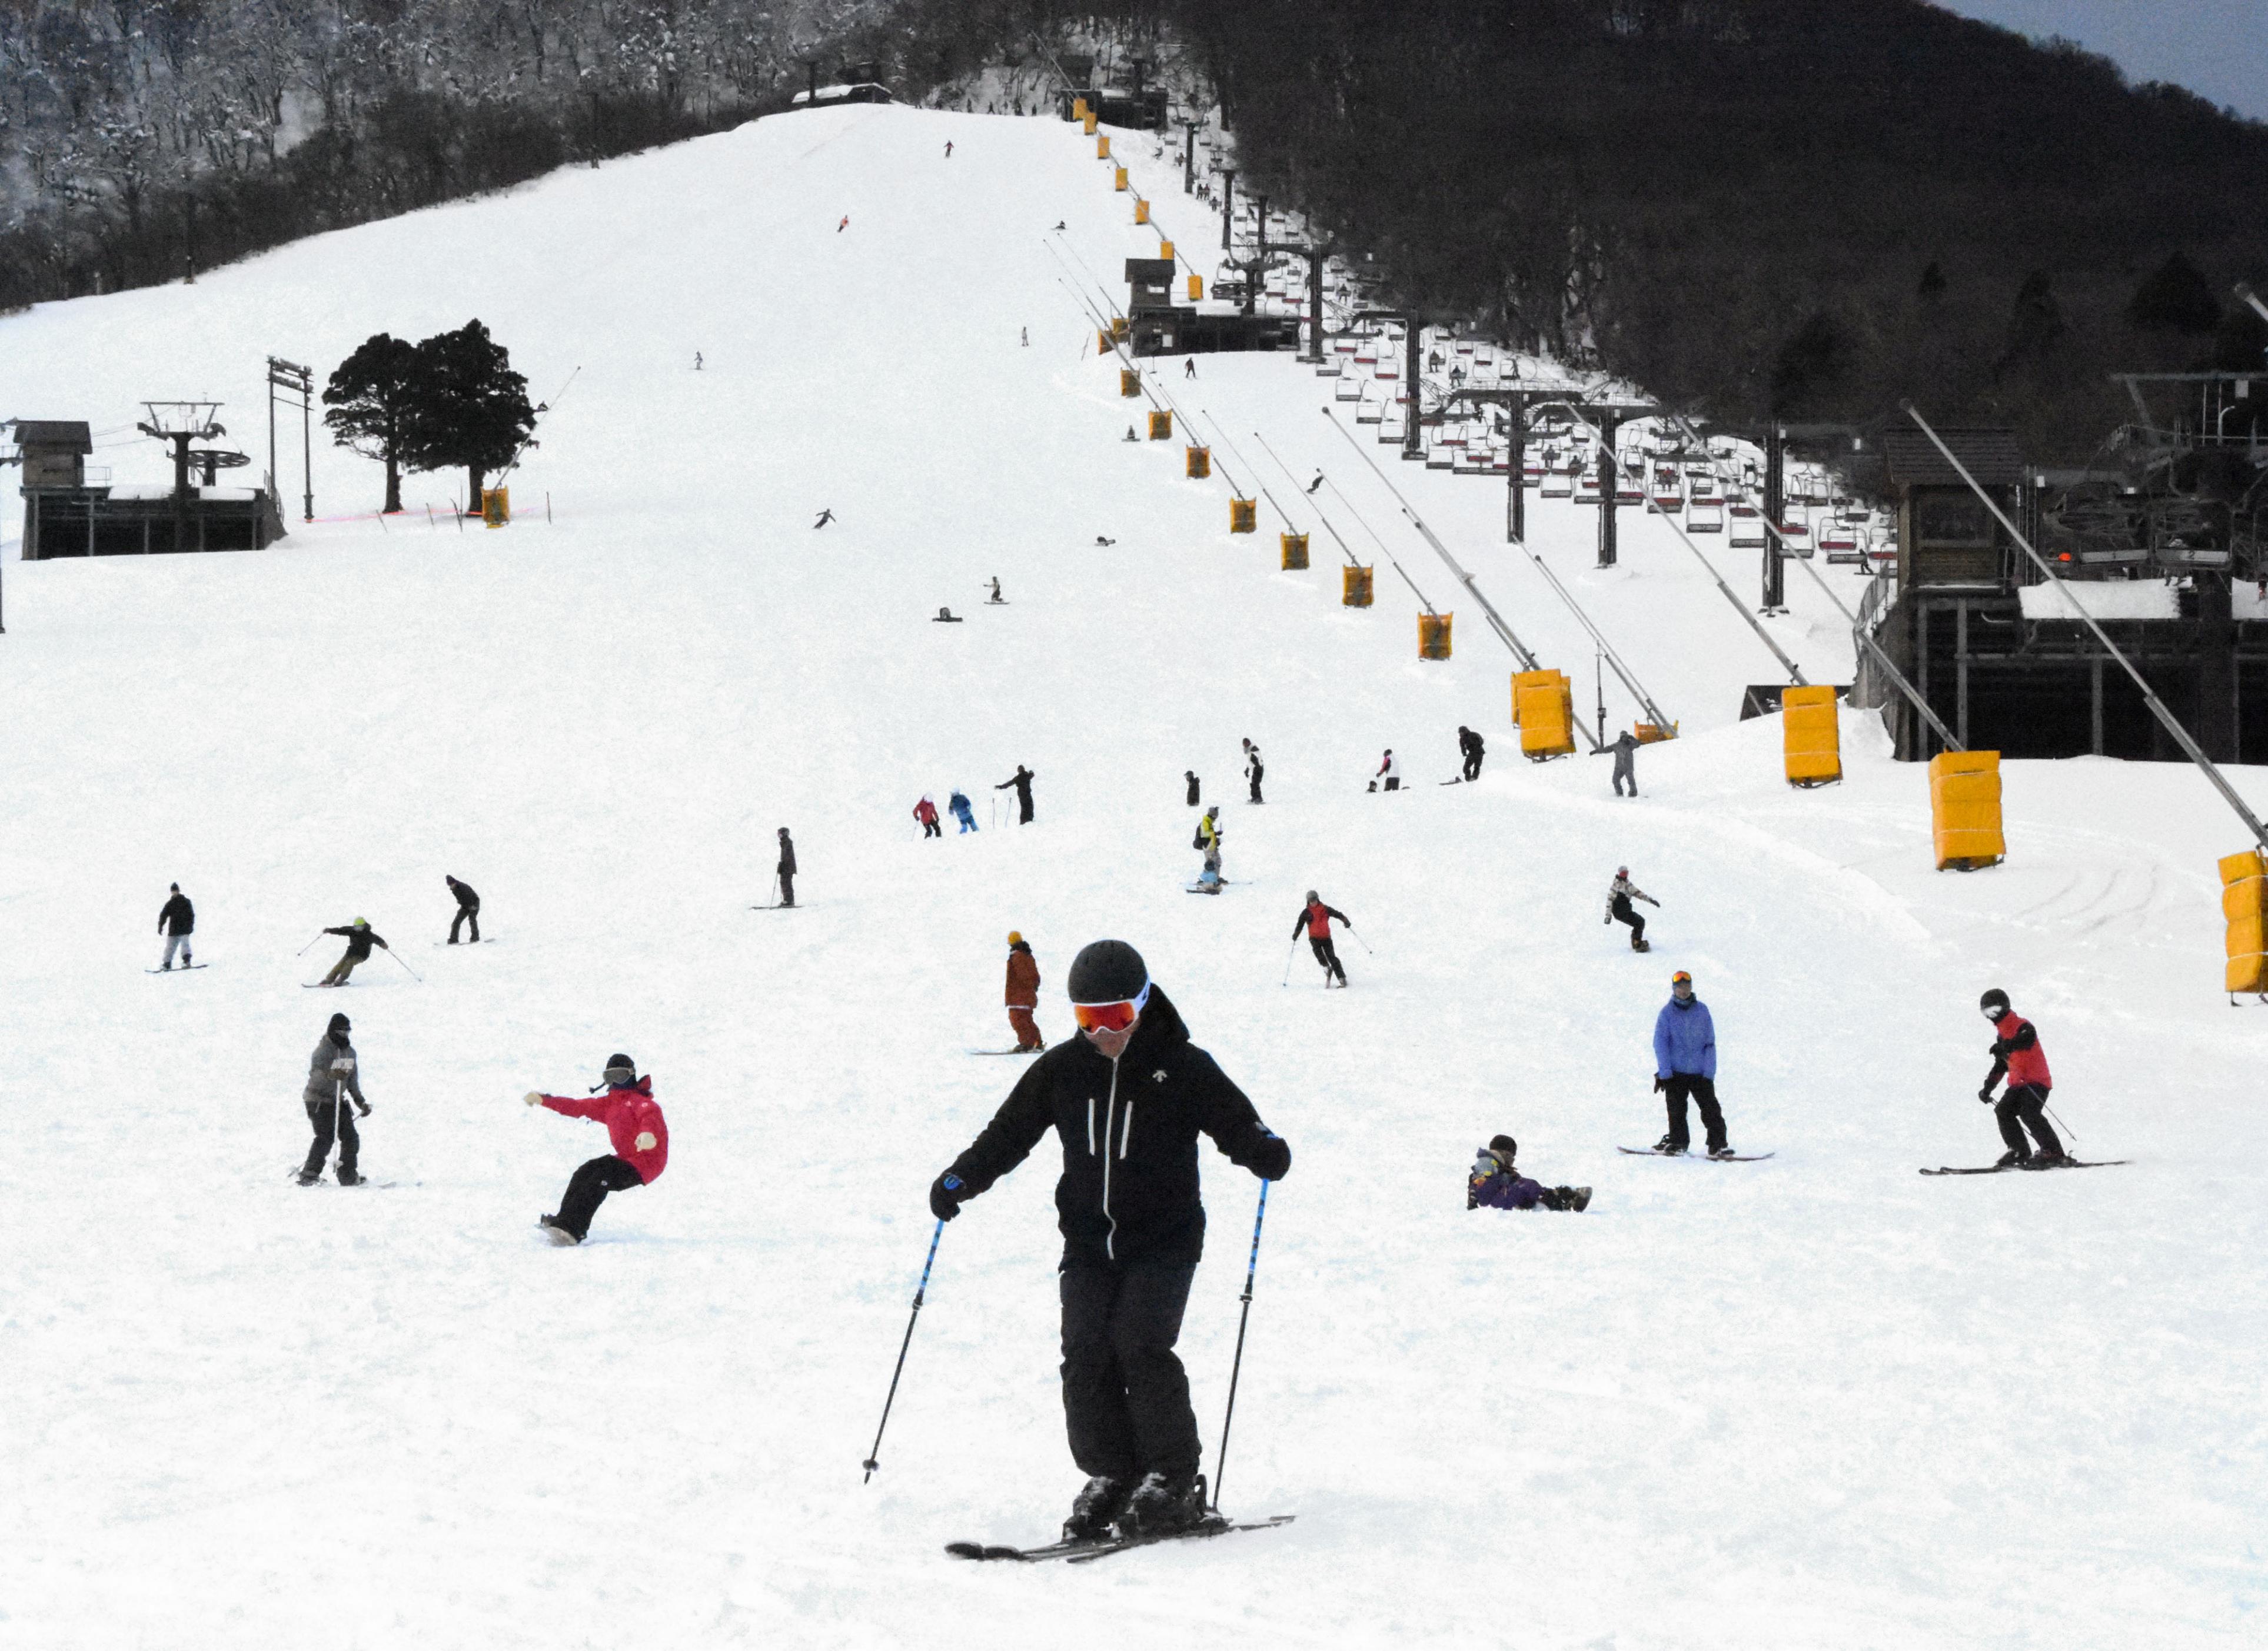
point(1685, 1067)
point(1023, 994)
point(1498, 1184)
point(2017, 1055)
point(961, 811)
point(177, 921)
point(332, 1081)
point(637, 1131)
point(1315, 918)
point(1208, 840)
point(360, 938)
point(1133, 1229)
point(1620, 893)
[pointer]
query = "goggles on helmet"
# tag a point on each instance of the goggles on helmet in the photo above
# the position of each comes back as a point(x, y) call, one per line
point(1111, 1017)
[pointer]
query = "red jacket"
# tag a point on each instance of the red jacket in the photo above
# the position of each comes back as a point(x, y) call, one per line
point(627, 1112)
point(2027, 1065)
point(925, 811)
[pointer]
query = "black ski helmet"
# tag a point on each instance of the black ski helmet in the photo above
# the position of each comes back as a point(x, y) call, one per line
point(1107, 972)
point(1994, 1002)
point(338, 1023)
point(1505, 1145)
point(622, 1065)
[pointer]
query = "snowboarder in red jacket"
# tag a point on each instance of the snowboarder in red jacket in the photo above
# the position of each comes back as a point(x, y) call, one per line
point(634, 1126)
point(2016, 1055)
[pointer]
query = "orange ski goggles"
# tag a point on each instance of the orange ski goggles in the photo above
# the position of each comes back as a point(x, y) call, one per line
point(1110, 1018)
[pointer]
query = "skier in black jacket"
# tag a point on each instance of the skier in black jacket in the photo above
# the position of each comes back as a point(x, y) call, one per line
point(785, 869)
point(177, 920)
point(360, 938)
point(1022, 781)
point(468, 908)
point(1127, 1098)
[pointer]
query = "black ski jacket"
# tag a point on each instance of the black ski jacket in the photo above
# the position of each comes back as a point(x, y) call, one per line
point(786, 866)
point(177, 916)
point(1129, 1128)
point(468, 897)
point(359, 940)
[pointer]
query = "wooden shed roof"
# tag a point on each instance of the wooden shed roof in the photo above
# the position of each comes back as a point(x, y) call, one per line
point(1991, 455)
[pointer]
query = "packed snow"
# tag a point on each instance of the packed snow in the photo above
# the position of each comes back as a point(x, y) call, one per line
point(1814, 1401)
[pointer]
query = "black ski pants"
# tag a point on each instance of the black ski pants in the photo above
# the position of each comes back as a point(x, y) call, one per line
point(1625, 913)
point(2024, 1107)
point(1126, 1398)
point(1327, 953)
point(1255, 774)
point(466, 914)
point(1703, 1092)
point(323, 1115)
point(931, 828)
point(1472, 765)
point(787, 888)
point(587, 1189)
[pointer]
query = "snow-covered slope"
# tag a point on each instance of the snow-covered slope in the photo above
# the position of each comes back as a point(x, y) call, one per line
point(1812, 1401)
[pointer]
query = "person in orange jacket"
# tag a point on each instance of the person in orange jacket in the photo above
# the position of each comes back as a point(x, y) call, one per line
point(1023, 994)
point(636, 1130)
point(2017, 1056)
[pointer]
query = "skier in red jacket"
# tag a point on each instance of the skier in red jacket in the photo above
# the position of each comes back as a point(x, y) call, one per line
point(634, 1126)
point(2017, 1054)
point(1315, 918)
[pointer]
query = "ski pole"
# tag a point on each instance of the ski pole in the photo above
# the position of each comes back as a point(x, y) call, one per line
point(338, 1101)
point(310, 946)
point(1287, 959)
point(2066, 1128)
point(1358, 940)
point(1220, 1458)
point(874, 1457)
point(407, 969)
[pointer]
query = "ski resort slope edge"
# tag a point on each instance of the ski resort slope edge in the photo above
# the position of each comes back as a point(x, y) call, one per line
point(1812, 1401)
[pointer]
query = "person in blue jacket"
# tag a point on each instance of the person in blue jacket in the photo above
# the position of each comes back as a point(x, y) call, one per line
point(1685, 1067)
point(961, 811)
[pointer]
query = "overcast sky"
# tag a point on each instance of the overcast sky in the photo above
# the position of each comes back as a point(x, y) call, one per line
point(2217, 48)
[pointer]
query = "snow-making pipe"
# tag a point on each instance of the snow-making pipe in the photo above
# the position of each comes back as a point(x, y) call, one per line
point(2166, 718)
point(1221, 436)
point(1629, 681)
point(1392, 560)
point(1794, 672)
point(1352, 561)
point(1865, 638)
point(1495, 619)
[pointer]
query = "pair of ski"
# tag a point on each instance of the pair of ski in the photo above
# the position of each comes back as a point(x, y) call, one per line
point(2003, 1169)
point(1085, 1552)
point(1664, 1152)
point(179, 968)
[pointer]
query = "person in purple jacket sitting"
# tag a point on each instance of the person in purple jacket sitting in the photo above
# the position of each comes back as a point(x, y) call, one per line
point(1498, 1184)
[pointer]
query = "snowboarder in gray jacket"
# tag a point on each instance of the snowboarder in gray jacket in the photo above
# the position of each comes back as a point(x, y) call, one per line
point(1625, 763)
point(333, 1079)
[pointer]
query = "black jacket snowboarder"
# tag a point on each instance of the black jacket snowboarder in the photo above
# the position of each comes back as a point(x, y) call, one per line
point(1191, 776)
point(1021, 780)
point(785, 869)
point(468, 909)
point(334, 1080)
point(177, 920)
point(1469, 743)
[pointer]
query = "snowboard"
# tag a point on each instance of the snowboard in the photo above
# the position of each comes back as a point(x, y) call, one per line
point(1083, 1552)
point(2003, 1169)
point(1656, 1152)
point(485, 940)
point(327, 1179)
point(179, 968)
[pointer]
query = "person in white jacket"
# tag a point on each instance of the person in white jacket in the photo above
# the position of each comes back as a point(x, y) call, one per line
point(1389, 774)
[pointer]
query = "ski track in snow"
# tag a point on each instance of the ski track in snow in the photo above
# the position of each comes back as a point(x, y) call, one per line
point(1809, 1401)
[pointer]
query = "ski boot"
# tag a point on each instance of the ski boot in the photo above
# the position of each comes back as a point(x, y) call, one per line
point(558, 1234)
point(1725, 1151)
point(350, 1177)
point(2012, 1159)
point(2048, 1160)
point(1567, 1198)
point(1581, 1199)
point(1669, 1145)
point(1095, 1510)
point(308, 1178)
point(1163, 1505)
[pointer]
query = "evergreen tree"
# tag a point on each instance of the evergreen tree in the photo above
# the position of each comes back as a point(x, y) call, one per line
point(373, 398)
point(472, 408)
point(1811, 367)
point(2177, 298)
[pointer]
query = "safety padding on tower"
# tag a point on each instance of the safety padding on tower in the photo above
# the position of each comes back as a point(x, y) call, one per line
point(2244, 903)
point(1088, 123)
point(496, 506)
point(1079, 108)
point(1197, 289)
point(1118, 176)
point(1295, 552)
point(1243, 516)
point(1102, 146)
point(1434, 635)
point(1141, 210)
point(1354, 587)
point(1103, 343)
point(1544, 706)
point(1199, 464)
point(1812, 737)
point(1653, 733)
point(1130, 382)
point(1166, 251)
point(1161, 425)
point(1118, 329)
point(1964, 809)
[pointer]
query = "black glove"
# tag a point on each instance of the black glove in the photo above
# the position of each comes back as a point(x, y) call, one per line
point(944, 1195)
point(364, 1107)
point(2001, 1046)
point(1274, 1158)
point(1659, 1085)
point(1985, 1094)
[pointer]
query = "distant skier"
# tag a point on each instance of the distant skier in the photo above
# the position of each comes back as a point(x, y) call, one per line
point(1191, 774)
point(696, 360)
point(1620, 893)
point(1622, 749)
point(996, 599)
point(360, 938)
point(1685, 1067)
point(1021, 780)
point(961, 811)
point(925, 811)
point(948, 149)
point(785, 869)
point(1469, 743)
point(825, 517)
point(1104, 543)
point(1131, 437)
point(2017, 1056)
point(1208, 840)
point(177, 921)
point(332, 1081)
point(1133, 1229)
point(1388, 776)
point(844, 225)
point(468, 909)
point(1315, 918)
point(1498, 1184)
point(1025, 332)
point(1022, 994)
point(1317, 482)
point(635, 1129)
point(1189, 368)
point(1255, 770)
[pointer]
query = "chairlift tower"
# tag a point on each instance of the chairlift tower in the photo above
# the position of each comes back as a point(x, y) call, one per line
point(181, 422)
point(293, 380)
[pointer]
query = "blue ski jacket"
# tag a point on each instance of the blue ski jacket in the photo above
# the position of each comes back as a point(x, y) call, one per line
point(1685, 1040)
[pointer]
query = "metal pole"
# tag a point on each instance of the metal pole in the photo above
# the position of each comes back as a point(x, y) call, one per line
point(1516, 520)
point(1227, 204)
point(873, 1456)
point(1413, 439)
point(1775, 504)
point(2166, 718)
point(307, 446)
point(1236, 1369)
point(1606, 426)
